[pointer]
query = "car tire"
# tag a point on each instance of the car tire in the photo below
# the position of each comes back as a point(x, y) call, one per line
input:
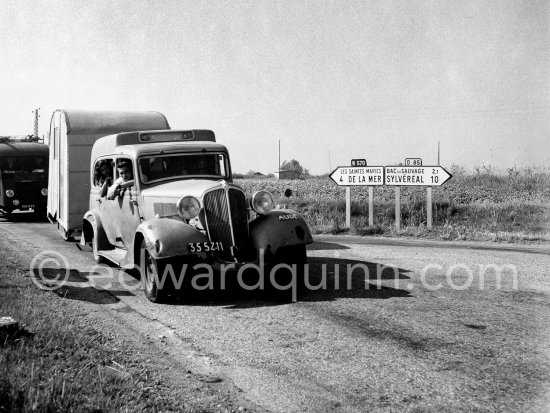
point(150, 269)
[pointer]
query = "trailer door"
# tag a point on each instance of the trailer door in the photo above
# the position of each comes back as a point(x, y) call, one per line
point(53, 175)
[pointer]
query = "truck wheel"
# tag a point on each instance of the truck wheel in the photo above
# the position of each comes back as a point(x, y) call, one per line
point(293, 256)
point(149, 271)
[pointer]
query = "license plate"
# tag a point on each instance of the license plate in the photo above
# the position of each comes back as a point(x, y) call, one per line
point(205, 246)
point(27, 206)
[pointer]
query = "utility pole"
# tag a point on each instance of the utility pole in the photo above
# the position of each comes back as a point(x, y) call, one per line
point(36, 116)
point(279, 168)
point(429, 196)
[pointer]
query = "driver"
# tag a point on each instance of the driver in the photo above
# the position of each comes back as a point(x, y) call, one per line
point(125, 179)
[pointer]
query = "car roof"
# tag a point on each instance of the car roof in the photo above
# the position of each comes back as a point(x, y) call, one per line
point(123, 144)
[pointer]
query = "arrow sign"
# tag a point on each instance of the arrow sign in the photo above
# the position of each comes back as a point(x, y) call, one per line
point(416, 175)
point(358, 176)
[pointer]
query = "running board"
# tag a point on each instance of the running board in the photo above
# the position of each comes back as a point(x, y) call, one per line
point(116, 256)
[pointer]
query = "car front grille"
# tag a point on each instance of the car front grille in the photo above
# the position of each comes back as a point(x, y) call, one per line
point(226, 220)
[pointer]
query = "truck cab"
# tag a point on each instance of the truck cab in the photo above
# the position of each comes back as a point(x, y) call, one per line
point(23, 175)
point(167, 197)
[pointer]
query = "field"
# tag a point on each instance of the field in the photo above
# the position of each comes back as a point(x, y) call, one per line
point(481, 205)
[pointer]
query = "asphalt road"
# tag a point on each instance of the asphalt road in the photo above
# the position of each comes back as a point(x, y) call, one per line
point(422, 326)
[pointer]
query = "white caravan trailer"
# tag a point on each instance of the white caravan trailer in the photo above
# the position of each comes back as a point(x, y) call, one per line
point(72, 135)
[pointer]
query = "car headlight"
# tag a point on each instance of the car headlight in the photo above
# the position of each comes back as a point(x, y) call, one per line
point(262, 202)
point(15, 202)
point(44, 191)
point(189, 207)
point(10, 193)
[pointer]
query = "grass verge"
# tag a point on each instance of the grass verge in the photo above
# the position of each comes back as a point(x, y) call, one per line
point(67, 363)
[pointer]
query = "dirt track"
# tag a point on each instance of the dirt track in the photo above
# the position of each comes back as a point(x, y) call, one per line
point(427, 334)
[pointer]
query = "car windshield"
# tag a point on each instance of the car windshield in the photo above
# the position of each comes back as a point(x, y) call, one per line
point(23, 164)
point(173, 166)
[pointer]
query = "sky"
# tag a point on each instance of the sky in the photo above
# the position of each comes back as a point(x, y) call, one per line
point(330, 80)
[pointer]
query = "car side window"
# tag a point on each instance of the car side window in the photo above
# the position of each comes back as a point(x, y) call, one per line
point(124, 172)
point(103, 172)
point(124, 178)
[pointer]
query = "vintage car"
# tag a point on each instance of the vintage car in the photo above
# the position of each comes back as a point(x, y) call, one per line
point(176, 206)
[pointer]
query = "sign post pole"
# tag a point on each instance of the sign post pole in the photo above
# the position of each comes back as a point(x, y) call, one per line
point(429, 206)
point(358, 174)
point(348, 207)
point(371, 206)
point(398, 207)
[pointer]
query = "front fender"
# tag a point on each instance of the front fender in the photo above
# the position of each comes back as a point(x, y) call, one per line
point(167, 238)
point(92, 226)
point(279, 228)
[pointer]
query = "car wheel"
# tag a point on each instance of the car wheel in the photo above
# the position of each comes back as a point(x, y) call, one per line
point(294, 256)
point(149, 272)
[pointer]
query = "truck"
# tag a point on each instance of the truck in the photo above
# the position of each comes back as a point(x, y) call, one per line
point(23, 175)
point(72, 135)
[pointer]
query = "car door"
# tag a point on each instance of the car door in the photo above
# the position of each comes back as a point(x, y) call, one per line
point(125, 212)
point(102, 178)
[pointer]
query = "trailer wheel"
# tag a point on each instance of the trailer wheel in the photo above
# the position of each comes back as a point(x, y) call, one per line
point(149, 270)
point(67, 235)
point(95, 249)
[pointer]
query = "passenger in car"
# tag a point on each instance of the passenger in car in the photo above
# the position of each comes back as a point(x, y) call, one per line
point(125, 179)
point(104, 176)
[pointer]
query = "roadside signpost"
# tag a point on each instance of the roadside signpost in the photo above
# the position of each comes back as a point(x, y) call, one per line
point(416, 175)
point(412, 174)
point(358, 174)
point(354, 176)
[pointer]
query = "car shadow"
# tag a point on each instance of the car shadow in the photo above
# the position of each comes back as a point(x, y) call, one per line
point(327, 279)
point(55, 279)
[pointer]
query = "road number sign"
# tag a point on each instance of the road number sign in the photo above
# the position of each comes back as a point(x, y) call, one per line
point(354, 176)
point(359, 162)
point(416, 176)
point(413, 162)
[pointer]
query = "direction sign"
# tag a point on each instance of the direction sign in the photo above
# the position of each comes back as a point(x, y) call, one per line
point(354, 176)
point(416, 175)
